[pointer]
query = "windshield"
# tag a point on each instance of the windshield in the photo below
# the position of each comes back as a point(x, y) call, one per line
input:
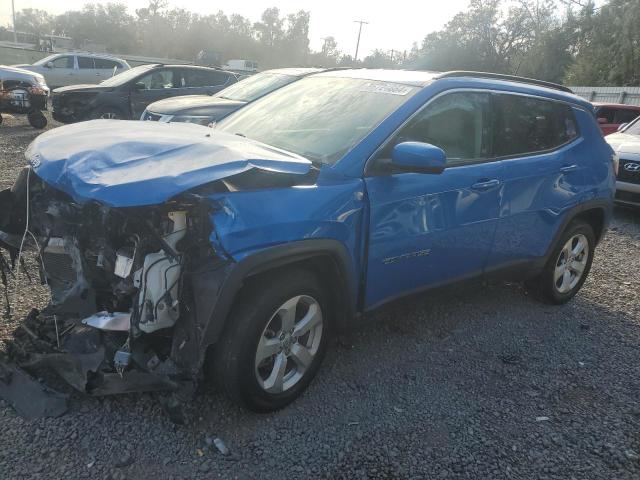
point(320, 118)
point(256, 86)
point(125, 76)
point(634, 127)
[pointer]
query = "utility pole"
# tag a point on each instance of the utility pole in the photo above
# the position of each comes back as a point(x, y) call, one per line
point(13, 13)
point(355, 59)
point(324, 45)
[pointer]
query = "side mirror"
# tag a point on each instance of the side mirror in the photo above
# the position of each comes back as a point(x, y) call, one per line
point(139, 86)
point(602, 120)
point(418, 157)
point(622, 126)
point(49, 65)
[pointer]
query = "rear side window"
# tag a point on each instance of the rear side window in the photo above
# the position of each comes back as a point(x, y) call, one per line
point(104, 64)
point(525, 125)
point(86, 63)
point(204, 78)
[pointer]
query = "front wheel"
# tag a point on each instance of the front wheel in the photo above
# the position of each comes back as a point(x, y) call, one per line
point(37, 119)
point(274, 341)
point(569, 264)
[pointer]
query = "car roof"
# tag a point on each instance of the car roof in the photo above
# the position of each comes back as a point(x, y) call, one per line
point(420, 78)
point(407, 77)
point(295, 71)
point(616, 105)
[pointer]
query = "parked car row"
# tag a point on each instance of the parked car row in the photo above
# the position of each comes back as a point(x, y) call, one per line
point(244, 247)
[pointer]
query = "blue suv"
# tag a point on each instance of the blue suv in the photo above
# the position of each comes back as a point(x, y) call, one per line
point(238, 251)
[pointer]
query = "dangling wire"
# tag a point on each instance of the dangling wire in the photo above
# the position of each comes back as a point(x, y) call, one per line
point(24, 236)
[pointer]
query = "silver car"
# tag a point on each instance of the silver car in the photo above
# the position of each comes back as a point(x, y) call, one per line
point(626, 143)
point(62, 69)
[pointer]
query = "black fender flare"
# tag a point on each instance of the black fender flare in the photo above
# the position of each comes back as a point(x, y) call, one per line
point(280, 256)
point(605, 206)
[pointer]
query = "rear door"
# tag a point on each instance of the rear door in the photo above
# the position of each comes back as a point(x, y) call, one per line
point(428, 229)
point(106, 68)
point(156, 85)
point(538, 141)
point(87, 70)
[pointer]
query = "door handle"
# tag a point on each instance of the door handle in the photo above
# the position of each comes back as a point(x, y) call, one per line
point(486, 184)
point(569, 168)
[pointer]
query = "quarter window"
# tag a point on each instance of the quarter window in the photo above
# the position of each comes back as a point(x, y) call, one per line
point(525, 125)
point(459, 123)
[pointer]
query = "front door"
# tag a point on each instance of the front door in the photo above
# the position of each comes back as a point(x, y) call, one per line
point(61, 71)
point(432, 229)
point(158, 84)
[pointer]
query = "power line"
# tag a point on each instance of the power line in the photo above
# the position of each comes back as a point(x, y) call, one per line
point(355, 58)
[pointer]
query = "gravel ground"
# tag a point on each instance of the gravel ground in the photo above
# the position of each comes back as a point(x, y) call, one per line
point(477, 381)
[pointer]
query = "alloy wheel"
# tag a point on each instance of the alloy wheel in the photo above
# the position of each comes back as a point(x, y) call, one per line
point(571, 263)
point(288, 344)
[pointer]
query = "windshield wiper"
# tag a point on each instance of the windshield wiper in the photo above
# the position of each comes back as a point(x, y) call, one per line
point(240, 134)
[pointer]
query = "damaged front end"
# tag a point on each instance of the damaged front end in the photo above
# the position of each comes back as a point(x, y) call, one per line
point(120, 279)
point(123, 230)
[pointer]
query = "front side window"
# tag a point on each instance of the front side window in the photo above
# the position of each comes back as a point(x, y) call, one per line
point(525, 125)
point(63, 62)
point(606, 114)
point(625, 115)
point(127, 76)
point(320, 118)
point(157, 80)
point(459, 123)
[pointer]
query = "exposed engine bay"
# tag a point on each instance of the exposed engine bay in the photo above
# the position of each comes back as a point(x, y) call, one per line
point(120, 279)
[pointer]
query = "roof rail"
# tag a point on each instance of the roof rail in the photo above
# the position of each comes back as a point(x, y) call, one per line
point(509, 78)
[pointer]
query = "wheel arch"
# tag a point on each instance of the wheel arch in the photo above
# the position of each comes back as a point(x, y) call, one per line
point(328, 259)
point(595, 212)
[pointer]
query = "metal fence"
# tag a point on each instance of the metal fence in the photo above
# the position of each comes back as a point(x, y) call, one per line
point(626, 95)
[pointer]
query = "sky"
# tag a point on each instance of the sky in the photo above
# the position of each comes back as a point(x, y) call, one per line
point(393, 25)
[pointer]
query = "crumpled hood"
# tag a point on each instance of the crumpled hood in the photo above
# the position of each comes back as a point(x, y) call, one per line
point(130, 163)
point(624, 142)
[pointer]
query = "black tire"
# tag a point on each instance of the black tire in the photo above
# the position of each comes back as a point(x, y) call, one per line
point(545, 285)
point(0, 119)
point(233, 363)
point(107, 112)
point(37, 120)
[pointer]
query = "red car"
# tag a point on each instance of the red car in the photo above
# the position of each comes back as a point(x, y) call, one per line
point(611, 115)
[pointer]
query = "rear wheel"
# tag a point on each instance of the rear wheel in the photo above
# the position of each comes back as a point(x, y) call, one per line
point(569, 264)
point(275, 340)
